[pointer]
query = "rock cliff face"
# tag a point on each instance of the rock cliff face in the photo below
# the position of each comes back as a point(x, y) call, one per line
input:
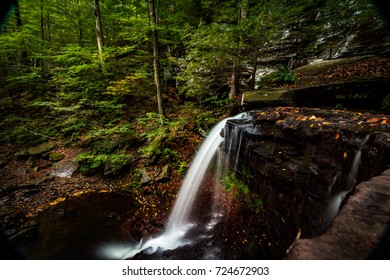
point(304, 162)
point(327, 31)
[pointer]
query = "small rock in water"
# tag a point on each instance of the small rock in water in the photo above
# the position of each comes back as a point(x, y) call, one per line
point(64, 168)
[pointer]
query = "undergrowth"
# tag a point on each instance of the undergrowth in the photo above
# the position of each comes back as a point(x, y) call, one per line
point(281, 75)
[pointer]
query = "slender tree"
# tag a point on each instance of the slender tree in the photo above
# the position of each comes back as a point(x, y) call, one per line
point(79, 22)
point(43, 73)
point(156, 58)
point(99, 30)
point(23, 53)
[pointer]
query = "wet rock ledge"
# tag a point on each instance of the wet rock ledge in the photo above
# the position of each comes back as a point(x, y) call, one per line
point(305, 164)
point(360, 231)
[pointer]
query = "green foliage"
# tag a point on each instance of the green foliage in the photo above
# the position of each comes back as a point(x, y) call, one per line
point(136, 182)
point(155, 132)
point(91, 161)
point(169, 155)
point(182, 168)
point(209, 62)
point(230, 182)
point(281, 75)
point(161, 134)
point(256, 203)
point(14, 129)
point(108, 146)
point(205, 120)
point(137, 84)
point(253, 201)
point(124, 129)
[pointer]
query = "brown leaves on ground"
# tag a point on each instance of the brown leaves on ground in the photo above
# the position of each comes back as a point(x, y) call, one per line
point(366, 68)
point(318, 118)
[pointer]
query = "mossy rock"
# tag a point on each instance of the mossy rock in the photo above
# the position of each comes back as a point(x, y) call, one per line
point(268, 97)
point(22, 153)
point(41, 149)
point(55, 156)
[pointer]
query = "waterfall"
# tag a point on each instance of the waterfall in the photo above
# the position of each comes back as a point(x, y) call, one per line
point(179, 221)
point(335, 203)
point(194, 177)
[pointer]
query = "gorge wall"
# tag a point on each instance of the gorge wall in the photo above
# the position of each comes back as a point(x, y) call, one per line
point(303, 163)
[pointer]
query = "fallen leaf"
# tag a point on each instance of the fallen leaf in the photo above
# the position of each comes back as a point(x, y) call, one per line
point(374, 120)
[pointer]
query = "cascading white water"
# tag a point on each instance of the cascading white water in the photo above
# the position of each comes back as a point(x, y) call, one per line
point(194, 177)
point(335, 203)
point(179, 222)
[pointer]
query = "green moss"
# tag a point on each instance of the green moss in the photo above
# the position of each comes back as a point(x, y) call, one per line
point(267, 95)
point(230, 182)
point(253, 200)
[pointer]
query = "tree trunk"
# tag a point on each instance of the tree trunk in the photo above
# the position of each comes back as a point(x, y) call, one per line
point(234, 84)
point(43, 74)
point(17, 15)
point(79, 23)
point(99, 30)
point(156, 59)
point(23, 53)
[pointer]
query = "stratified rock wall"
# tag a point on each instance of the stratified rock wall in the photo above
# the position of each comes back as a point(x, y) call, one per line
point(301, 161)
point(360, 230)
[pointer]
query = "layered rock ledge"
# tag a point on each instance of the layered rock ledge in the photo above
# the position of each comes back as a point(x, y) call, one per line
point(305, 163)
point(360, 231)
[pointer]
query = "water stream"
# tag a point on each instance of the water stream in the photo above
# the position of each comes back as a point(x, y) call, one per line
point(333, 207)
